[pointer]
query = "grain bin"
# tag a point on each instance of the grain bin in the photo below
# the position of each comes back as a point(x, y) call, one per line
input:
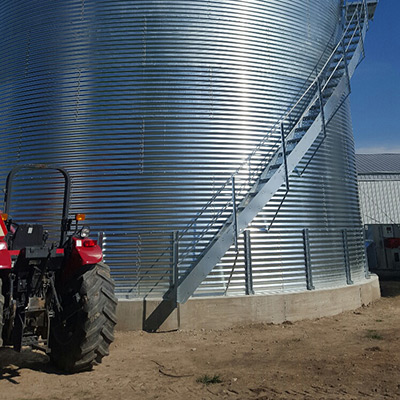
point(152, 106)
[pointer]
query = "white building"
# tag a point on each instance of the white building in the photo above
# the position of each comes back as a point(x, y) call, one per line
point(379, 188)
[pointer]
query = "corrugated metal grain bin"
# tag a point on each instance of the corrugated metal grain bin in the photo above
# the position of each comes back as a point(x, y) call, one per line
point(152, 105)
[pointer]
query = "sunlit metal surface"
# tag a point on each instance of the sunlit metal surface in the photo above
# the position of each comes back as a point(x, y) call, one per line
point(151, 105)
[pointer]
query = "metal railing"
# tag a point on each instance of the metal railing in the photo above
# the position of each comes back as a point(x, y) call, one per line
point(146, 278)
point(135, 272)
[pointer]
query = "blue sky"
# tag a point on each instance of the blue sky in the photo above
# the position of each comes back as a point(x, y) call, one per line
point(375, 98)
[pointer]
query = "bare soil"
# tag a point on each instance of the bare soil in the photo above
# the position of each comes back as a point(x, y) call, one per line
point(355, 355)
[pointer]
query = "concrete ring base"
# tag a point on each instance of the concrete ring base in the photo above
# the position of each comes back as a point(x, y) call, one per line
point(225, 312)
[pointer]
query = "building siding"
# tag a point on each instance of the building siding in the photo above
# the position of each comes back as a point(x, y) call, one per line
point(380, 198)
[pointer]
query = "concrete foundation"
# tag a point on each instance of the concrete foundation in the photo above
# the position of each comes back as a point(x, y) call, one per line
point(225, 312)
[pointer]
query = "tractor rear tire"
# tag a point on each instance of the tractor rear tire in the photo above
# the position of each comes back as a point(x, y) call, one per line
point(1, 313)
point(82, 333)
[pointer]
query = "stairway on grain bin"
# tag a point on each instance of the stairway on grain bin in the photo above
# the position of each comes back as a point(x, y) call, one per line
point(230, 211)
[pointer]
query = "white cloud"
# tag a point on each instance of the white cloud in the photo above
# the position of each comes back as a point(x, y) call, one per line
point(377, 149)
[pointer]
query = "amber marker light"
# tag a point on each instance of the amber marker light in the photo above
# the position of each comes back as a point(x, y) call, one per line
point(4, 216)
point(80, 217)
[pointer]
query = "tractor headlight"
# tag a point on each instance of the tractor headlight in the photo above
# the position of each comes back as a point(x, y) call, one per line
point(85, 232)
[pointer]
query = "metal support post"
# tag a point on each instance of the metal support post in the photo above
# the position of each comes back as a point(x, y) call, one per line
point(175, 259)
point(307, 259)
point(284, 155)
point(321, 107)
point(234, 214)
point(346, 257)
point(248, 266)
point(366, 265)
point(138, 265)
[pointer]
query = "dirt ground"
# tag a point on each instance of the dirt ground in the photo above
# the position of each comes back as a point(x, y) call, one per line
point(355, 355)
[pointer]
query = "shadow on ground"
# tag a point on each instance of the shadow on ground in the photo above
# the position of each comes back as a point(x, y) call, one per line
point(390, 288)
point(12, 362)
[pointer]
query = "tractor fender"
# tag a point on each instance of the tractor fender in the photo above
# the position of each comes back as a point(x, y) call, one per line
point(83, 252)
point(86, 251)
point(5, 258)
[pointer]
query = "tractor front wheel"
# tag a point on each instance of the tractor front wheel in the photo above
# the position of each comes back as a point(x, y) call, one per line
point(82, 332)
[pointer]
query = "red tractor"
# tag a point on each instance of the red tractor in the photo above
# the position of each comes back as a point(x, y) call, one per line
point(57, 297)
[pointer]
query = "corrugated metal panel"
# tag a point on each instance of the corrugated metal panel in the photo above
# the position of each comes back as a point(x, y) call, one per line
point(151, 105)
point(379, 198)
point(376, 163)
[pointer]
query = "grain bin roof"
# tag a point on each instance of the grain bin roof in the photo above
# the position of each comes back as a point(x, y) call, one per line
point(378, 163)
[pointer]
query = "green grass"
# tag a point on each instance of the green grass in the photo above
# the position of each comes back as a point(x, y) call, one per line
point(371, 334)
point(209, 380)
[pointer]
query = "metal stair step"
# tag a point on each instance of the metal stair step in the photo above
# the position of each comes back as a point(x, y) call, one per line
point(327, 93)
point(350, 34)
point(294, 140)
point(331, 85)
point(308, 118)
point(300, 129)
point(264, 180)
point(353, 40)
point(351, 48)
point(336, 58)
point(307, 123)
point(334, 66)
point(313, 113)
point(275, 166)
point(280, 155)
point(336, 69)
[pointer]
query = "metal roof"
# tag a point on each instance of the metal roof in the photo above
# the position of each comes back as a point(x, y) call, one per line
point(378, 163)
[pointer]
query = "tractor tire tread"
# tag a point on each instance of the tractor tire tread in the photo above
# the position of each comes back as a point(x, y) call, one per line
point(98, 314)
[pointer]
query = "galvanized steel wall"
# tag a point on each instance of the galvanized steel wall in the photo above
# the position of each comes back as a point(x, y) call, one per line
point(152, 105)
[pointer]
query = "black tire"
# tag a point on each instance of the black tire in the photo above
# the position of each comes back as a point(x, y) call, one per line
point(1, 313)
point(82, 333)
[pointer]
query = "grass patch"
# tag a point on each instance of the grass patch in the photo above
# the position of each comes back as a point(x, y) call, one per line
point(209, 380)
point(371, 334)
